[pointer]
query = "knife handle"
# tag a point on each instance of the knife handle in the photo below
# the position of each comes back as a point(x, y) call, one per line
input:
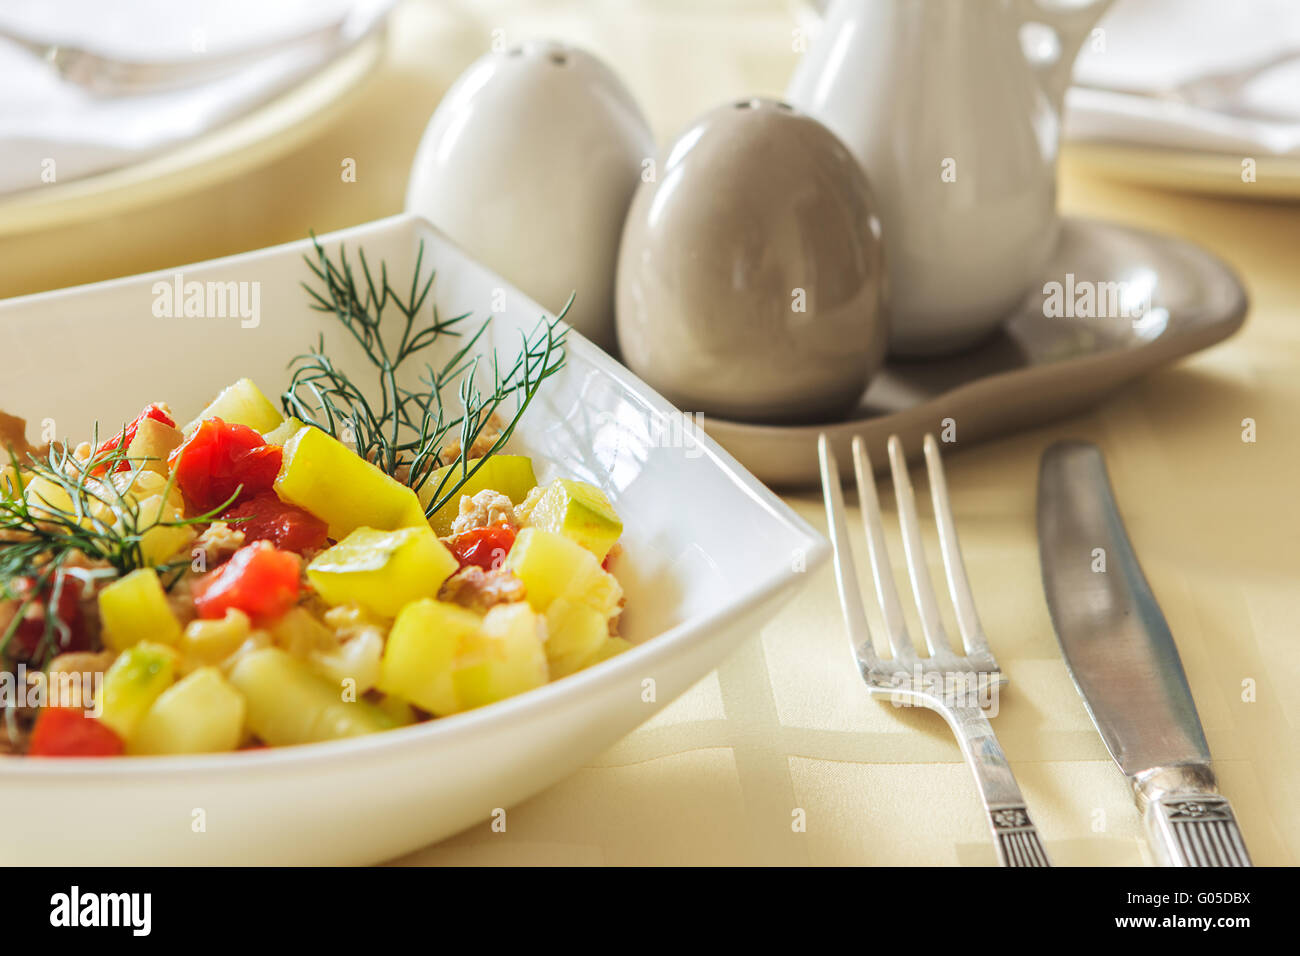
point(1195, 829)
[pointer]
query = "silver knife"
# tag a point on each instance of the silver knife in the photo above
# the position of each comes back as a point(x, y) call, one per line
point(1125, 664)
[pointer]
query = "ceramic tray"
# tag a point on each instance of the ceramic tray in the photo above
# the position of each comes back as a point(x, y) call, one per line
point(1038, 368)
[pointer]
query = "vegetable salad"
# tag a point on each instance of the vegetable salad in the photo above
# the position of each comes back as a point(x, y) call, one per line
point(249, 580)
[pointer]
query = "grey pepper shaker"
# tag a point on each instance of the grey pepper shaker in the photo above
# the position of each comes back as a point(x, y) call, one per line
point(751, 279)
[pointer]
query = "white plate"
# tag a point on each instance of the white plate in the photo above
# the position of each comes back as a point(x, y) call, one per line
point(710, 554)
point(253, 139)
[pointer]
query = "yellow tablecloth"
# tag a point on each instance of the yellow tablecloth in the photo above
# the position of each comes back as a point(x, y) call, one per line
point(785, 726)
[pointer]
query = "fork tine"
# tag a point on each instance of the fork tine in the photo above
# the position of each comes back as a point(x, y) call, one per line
point(963, 600)
point(886, 590)
point(926, 603)
point(846, 575)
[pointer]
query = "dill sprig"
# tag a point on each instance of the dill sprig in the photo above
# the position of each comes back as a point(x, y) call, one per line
point(404, 430)
point(541, 355)
point(62, 518)
point(360, 308)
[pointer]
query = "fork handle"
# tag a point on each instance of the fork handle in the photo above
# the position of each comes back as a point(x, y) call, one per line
point(1014, 834)
point(1018, 843)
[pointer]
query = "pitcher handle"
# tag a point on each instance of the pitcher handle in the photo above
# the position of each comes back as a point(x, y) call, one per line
point(1052, 32)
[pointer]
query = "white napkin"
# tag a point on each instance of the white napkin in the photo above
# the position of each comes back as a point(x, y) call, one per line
point(1153, 44)
point(43, 118)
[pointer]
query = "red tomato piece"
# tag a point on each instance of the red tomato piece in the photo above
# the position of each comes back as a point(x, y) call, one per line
point(220, 458)
point(124, 438)
point(31, 629)
point(485, 547)
point(258, 580)
point(288, 527)
point(68, 732)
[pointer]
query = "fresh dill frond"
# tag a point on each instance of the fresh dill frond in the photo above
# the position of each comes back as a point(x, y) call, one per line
point(403, 430)
point(62, 518)
point(541, 355)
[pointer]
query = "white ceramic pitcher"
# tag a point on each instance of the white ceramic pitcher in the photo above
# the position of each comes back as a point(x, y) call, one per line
point(953, 107)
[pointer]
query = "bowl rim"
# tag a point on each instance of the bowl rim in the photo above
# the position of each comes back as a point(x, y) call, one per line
point(651, 652)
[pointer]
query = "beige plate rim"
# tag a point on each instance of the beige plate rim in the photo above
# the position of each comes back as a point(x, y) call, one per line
point(269, 131)
point(1216, 174)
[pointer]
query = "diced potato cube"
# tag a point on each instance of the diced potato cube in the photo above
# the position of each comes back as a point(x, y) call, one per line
point(9, 481)
point(242, 403)
point(578, 511)
point(576, 632)
point(131, 685)
point(382, 571)
point(612, 647)
point(402, 713)
point(322, 475)
point(160, 541)
point(421, 653)
point(504, 657)
point(200, 713)
point(47, 498)
point(134, 608)
point(289, 704)
point(42, 494)
point(553, 566)
point(510, 475)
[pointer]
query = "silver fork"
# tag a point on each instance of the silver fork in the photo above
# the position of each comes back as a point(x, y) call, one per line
point(951, 684)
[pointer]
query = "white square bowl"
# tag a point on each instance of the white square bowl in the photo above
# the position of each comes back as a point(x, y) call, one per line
point(709, 555)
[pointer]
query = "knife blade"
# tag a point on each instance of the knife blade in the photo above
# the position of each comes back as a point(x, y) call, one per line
point(1125, 664)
